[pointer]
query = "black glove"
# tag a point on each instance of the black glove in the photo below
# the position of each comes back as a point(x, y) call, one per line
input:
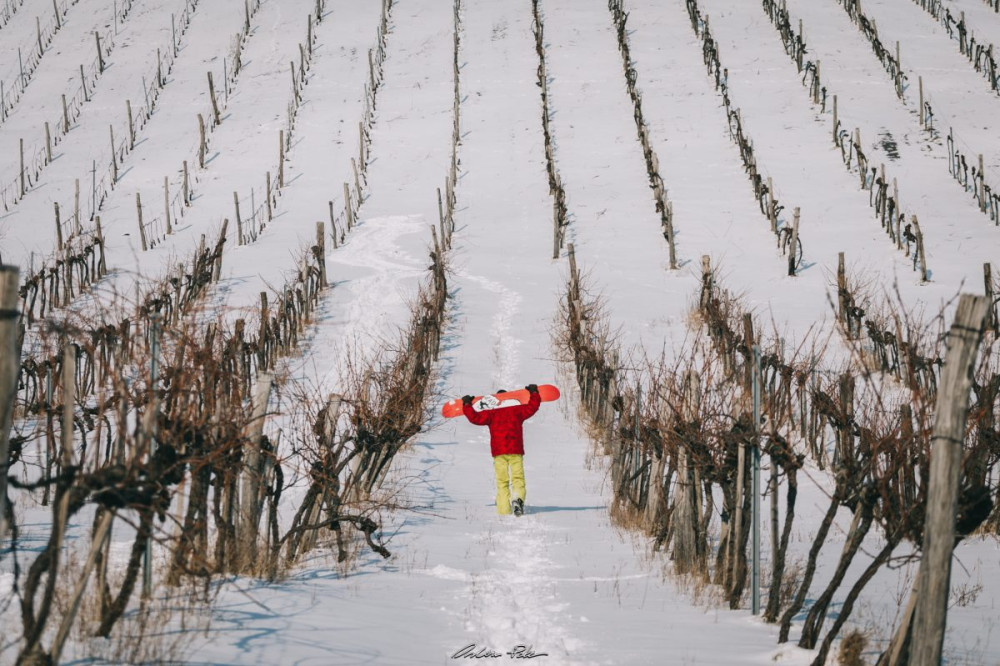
point(532, 388)
point(467, 399)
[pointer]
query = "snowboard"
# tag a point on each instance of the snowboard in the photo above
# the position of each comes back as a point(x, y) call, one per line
point(453, 408)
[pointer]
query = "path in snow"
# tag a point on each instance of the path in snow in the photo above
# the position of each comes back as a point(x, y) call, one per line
point(561, 579)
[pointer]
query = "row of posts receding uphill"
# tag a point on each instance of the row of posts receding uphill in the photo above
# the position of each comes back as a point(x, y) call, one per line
point(787, 235)
point(30, 53)
point(981, 56)
point(8, 9)
point(664, 206)
point(250, 225)
point(446, 209)
point(986, 198)
point(78, 260)
point(560, 219)
point(685, 433)
point(385, 397)
point(795, 47)
point(148, 403)
point(883, 192)
point(52, 131)
point(171, 428)
point(175, 295)
point(892, 64)
point(178, 192)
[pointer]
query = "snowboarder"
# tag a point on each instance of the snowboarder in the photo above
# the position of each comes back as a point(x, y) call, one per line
point(507, 446)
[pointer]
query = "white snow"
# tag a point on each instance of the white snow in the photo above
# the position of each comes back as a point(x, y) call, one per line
point(562, 580)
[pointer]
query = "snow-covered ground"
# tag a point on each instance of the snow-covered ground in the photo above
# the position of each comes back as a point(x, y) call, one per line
point(561, 580)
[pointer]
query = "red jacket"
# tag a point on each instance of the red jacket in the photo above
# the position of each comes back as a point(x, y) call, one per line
point(505, 424)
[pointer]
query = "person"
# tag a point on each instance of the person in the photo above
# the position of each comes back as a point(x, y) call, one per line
point(507, 446)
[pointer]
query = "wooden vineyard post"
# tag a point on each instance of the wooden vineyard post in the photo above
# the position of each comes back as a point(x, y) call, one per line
point(816, 87)
point(991, 315)
point(921, 257)
point(842, 305)
point(555, 230)
point(215, 103)
point(952, 405)
point(10, 363)
point(770, 207)
point(131, 125)
point(267, 195)
point(835, 119)
point(982, 184)
point(142, 227)
point(793, 246)
point(668, 220)
point(21, 152)
point(186, 186)
point(166, 203)
point(333, 226)
point(76, 207)
point(48, 144)
point(100, 54)
point(114, 156)
point(65, 115)
point(251, 481)
point(201, 143)
point(281, 159)
point(321, 243)
point(920, 87)
point(102, 269)
point(59, 233)
point(348, 208)
point(239, 220)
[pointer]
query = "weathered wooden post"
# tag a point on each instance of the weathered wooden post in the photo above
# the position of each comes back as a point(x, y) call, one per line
point(934, 575)
point(281, 159)
point(920, 86)
point(835, 119)
point(83, 84)
point(59, 233)
point(251, 481)
point(921, 257)
point(21, 152)
point(114, 156)
point(239, 220)
point(348, 208)
point(100, 54)
point(131, 125)
point(793, 246)
point(686, 553)
point(48, 144)
point(333, 225)
point(215, 103)
point(668, 220)
point(991, 314)
point(842, 304)
point(10, 363)
point(201, 143)
point(982, 185)
point(321, 243)
point(76, 207)
point(142, 227)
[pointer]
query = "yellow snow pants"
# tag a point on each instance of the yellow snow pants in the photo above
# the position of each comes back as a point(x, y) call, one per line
point(509, 470)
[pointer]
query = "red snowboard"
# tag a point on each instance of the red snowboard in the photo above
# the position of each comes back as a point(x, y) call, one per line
point(547, 392)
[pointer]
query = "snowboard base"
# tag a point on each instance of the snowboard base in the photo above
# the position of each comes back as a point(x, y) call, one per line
point(453, 408)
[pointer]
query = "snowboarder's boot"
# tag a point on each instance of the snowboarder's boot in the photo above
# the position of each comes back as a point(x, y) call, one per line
point(518, 506)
